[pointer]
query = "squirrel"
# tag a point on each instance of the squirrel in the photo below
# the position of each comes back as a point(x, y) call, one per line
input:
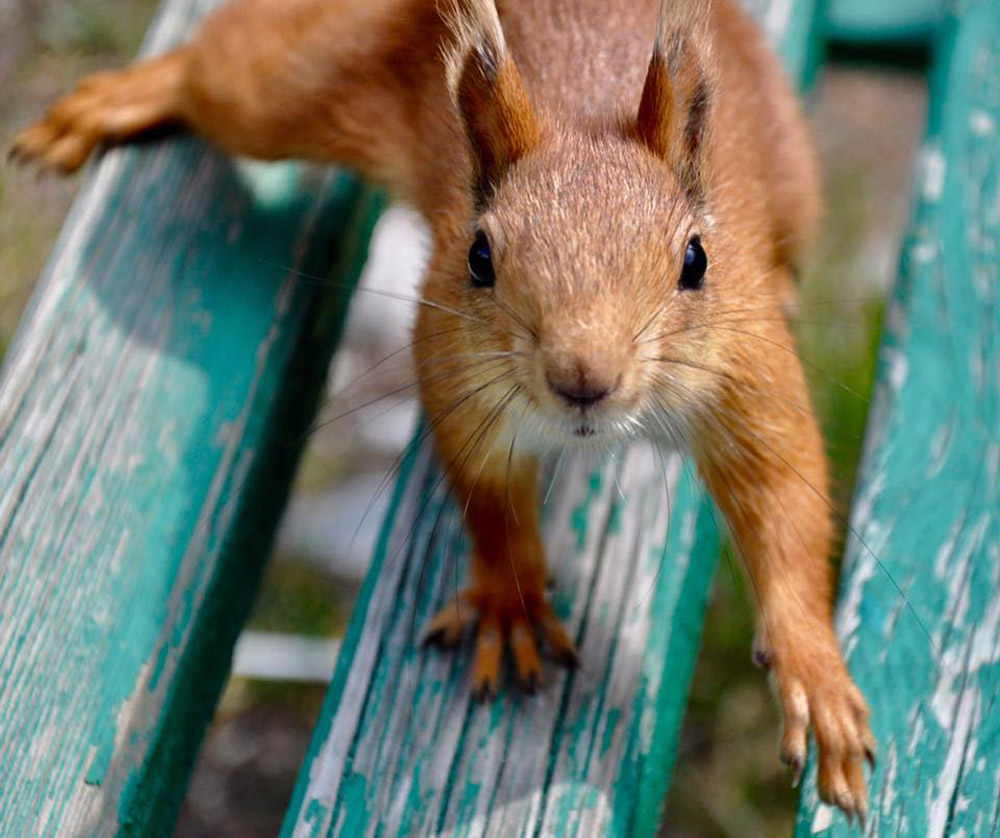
point(617, 194)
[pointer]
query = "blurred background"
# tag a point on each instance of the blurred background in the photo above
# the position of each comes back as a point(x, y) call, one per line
point(728, 782)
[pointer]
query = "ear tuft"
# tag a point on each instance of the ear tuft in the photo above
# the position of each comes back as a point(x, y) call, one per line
point(675, 109)
point(499, 120)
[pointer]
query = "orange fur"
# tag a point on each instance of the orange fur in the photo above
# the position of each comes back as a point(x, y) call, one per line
point(589, 166)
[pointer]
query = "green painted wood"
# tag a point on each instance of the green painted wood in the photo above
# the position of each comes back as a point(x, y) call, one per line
point(792, 26)
point(887, 23)
point(151, 409)
point(928, 503)
point(401, 749)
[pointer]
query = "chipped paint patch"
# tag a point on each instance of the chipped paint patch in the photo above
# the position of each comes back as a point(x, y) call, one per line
point(982, 123)
point(899, 369)
point(933, 168)
point(823, 819)
point(777, 18)
point(962, 724)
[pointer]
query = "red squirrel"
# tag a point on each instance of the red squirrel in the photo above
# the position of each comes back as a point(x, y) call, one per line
point(617, 194)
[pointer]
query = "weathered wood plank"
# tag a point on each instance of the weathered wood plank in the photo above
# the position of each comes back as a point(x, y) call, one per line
point(794, 28)
point(150, 416)
point(920, 610)
point(886, 23)
point(401, 749)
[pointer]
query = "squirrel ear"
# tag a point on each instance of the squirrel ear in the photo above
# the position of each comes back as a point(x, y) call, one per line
point(673, 119)
point(499, 121)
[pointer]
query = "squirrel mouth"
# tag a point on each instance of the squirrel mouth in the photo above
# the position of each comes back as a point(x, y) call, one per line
point(584, 431)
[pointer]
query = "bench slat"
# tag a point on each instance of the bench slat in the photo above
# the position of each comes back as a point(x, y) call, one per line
point(150, 416)
point(402, 749)
point(928, 504)
point(793, 28)
point(886, 23)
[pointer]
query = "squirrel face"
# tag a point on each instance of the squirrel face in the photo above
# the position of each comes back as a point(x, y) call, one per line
point(590, 248)
point(592, 266)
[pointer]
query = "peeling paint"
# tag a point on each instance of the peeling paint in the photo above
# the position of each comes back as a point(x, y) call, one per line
point(933, 170)
point(923, 629)
point(557, 764)
point(823, 819)
point(119, 585)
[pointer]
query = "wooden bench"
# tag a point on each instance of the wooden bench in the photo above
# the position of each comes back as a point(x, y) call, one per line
point(151, 414)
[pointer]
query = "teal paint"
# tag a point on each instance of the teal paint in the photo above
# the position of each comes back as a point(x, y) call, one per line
point(614, 717)
point(677, 642)
point(928, 497)
point(316, 813)
point(160, 550)
point(355, 804)
point(581, 514)
point(587, 728)
point(799, 42)
point(888, 23)
point(615, 523)
point(149, 396)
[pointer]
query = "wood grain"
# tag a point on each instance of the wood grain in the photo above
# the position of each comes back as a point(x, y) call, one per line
point(151, 411)
point(920, 600)
point(402, 749)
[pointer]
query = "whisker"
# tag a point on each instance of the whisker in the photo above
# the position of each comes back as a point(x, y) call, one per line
point(832, 379)
point(506, 518)
point(839, 516)
point(479, 435)
point(666, 537)
point(803, 409)
point(516, 318)
point(402, 389)
point(760, 611)
point(394, 354)
point(478, 432)
point(832, 508)
point(649, 323)
point(380, 292)
point(555, 474)
point(418, 441)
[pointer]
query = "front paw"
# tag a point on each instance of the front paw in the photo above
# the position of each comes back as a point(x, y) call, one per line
point(69, 132)
point(504, 620)
point(818, 692)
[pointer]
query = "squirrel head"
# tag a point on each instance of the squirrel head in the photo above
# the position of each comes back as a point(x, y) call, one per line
point(590, 256)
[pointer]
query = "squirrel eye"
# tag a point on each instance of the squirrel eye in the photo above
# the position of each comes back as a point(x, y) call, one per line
point(695, 265)
point(481, 262)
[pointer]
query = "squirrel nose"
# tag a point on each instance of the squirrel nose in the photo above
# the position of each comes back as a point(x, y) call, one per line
point(580, 385)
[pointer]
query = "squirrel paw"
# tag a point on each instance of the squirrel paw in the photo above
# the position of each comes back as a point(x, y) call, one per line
point(823, 695)
point(502, 625)
point(72, 128)
point(105, 106)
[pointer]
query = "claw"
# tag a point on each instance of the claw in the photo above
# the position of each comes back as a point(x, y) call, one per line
point(797, 764)
point(530, 684)
point(483, 693)
point(869, 745)
point(567, 657)
point(434, 638)
point(446, 629)
point(845, 803)
point(504, 625)
point(870, 757)
point(862, 812)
